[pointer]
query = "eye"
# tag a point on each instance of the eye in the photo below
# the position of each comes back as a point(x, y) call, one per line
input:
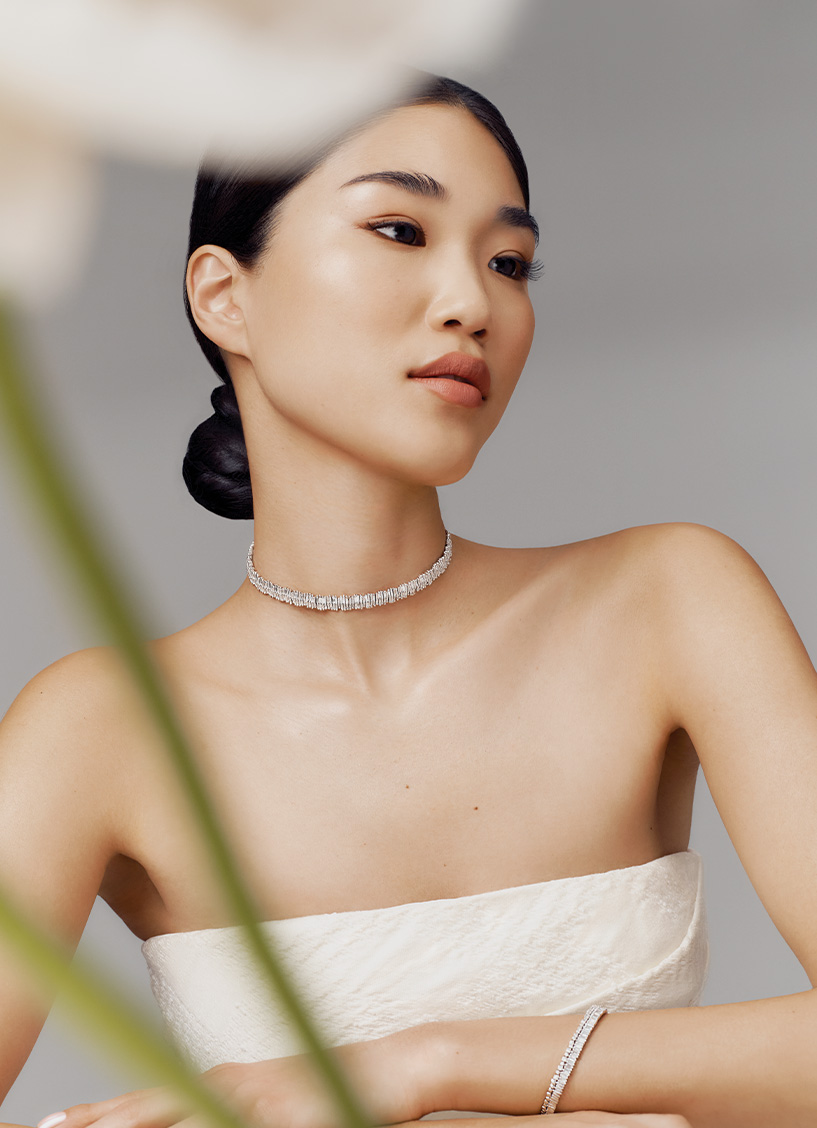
point(520, 269)
point(406, 233)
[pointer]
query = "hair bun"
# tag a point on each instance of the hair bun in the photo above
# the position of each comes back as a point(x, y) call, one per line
point(215, 467)
point(225, 405)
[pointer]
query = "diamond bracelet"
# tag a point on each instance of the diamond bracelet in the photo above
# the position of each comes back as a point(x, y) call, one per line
point(570, 1057)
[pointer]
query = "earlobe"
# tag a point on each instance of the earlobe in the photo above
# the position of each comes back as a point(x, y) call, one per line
point(213, 284)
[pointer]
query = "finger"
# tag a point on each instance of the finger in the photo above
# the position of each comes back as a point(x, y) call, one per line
point(80, 1114)
point(599, 1119)
point(147, 1108)
point(593, 1118)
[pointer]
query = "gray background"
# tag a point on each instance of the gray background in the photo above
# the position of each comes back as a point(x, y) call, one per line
point(672, 153)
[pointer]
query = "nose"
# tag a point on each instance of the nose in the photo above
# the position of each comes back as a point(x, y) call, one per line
point(460, 299)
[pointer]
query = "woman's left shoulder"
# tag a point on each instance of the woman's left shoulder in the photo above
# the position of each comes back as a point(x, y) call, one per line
point(702, 588)
point(660, 561)
point(675, 573)
point(673, 543)
point(680, 557)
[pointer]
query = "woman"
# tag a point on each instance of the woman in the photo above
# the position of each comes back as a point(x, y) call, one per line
point(511, 749)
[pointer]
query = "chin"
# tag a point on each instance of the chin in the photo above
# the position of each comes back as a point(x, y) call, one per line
point(452, 476)
point(426, 457)
point(443, 471)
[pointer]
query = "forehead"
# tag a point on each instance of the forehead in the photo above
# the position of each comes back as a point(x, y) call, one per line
point(444, 142)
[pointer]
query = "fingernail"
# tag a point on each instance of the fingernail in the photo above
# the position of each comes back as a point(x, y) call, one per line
point(52, 1120)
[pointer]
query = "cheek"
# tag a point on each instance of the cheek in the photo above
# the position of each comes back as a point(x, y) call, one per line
point(328, 337)
point(516, 339)
point(524, 325)
point(333, 308)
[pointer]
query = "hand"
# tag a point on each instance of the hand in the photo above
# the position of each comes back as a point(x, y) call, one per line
point(621, 1120)
point(566, 1119)
point(280, 1093)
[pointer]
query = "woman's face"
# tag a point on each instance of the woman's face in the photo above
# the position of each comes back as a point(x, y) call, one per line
point(366, 280)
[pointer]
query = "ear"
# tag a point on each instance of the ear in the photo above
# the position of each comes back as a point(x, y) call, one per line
point(213, 282)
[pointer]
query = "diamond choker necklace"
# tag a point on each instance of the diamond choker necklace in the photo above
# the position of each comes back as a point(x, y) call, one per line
point(350, 602)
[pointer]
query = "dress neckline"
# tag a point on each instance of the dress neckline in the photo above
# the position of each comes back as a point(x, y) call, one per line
point(406, 906)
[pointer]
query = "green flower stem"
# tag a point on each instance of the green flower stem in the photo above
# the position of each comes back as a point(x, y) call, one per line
point(109, 1015)
point(82, 551)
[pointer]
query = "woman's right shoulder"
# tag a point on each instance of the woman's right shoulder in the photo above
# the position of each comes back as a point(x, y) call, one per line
point(74, 707)
point(91, 677)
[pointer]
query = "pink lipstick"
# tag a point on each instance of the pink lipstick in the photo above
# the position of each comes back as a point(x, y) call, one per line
point(456, 377)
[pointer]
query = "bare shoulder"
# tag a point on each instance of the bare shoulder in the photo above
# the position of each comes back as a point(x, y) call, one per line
point(696, 575)
point(62, 735)
point(71, 693)
point(650, 569)
point(695, 583)
point(716, 620)
point(673, 590)
point(670, 570)
point(662, 561)
point(685, 549)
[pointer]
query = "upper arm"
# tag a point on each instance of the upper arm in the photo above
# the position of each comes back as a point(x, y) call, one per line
point(56, 830)
point(737, 677)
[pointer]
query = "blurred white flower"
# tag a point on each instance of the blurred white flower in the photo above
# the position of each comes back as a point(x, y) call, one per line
point(47, 202)
point(170, 79)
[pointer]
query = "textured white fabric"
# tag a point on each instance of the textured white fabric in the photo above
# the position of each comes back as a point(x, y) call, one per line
point(631, 939)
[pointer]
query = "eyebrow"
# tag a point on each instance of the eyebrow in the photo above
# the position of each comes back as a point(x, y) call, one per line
point(421, 184)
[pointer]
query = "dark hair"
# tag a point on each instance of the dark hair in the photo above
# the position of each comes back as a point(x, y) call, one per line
point(237, 211)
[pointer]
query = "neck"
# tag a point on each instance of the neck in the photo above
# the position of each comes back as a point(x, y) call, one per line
point(347, 540)
point(329, 524)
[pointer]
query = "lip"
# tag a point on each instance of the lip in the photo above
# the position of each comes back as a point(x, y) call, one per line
point(468, 368)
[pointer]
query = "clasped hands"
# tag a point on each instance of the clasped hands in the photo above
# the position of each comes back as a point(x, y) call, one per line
point(398, 1076)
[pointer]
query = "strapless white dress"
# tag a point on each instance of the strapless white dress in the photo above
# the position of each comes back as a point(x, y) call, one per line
point(630, 939)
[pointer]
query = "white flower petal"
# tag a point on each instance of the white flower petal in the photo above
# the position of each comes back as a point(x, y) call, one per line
point(47, 202)
point(172, 79)
point(169, 78)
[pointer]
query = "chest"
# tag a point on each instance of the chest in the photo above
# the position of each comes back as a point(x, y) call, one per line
point(506, 765)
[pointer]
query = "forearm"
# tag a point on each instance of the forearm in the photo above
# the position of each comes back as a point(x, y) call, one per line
point(739, 1065)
